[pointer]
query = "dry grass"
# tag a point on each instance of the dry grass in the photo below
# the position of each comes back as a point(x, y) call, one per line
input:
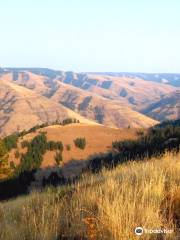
point(30, 109)
point(114, 113)
point(104, 206)
point(99, 140)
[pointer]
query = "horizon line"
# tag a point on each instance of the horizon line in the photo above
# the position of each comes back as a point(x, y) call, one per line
point(90, 72)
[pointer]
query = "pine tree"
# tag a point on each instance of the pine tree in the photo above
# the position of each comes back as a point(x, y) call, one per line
point(3, 152)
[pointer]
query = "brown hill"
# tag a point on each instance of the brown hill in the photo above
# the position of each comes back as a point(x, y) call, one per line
point(168, 108)
point(21, 108)
point(113, 113)
point(137, 92)
point(98, 140)
point(105, 111)
point(134, 91)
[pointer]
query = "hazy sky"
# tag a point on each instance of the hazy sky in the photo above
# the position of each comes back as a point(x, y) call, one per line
point(91, 35)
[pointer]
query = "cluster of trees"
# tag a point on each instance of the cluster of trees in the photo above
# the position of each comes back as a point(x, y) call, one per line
point(11, 141)
point(4, 168)
point(19, 182)
point(80, 143)
point(34, 156)
point(155, 143)
point(36, 148)
point(51, 145)
point(175, 123)
point(69, 121)
point(63, 123)
point(3, 151)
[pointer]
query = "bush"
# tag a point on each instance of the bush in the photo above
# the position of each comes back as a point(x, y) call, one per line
point(69, 121)
point(11, 141)
point(51, 145)
point(80, 143)
point(58, 157)
point(68, 147)
point(3, 153)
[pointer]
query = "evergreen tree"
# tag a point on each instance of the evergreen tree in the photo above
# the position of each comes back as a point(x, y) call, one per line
point(58, 157)
point(3, 152)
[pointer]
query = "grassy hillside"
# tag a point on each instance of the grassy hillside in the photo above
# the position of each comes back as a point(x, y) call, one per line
point(93, 103)
point(108, 205)
point(21, 108)
point(102, 110)
point(131, 91)
point(98, 140)
point(168, 108)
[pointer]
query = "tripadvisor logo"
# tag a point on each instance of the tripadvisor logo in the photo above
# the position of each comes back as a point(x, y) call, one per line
point(139, 231)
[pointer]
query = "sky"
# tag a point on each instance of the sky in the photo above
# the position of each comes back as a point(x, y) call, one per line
point(91, 35)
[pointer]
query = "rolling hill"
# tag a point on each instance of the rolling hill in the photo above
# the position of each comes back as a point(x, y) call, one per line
point(21, 109)
point(168, 108)
point(105, 111)
point(113, 99)
point(137, 93)
point(90, 104)
point(98, 140)
point(172, 79)
point(132, 90)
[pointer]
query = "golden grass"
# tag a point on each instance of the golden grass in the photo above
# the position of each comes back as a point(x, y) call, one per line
point(108, 205)
point(99, 140)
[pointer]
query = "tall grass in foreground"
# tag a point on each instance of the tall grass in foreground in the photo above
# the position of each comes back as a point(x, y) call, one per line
point(108, 205)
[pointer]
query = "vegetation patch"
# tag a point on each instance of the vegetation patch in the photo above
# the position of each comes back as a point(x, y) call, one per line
point(80, 143)
point(155, 143)
point(58, 158)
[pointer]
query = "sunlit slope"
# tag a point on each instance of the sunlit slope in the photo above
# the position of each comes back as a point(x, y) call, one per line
point(105, 111)
point(98, 140)
point(21, 108)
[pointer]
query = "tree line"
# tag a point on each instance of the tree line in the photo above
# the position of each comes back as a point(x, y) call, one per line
point(11, 140)
point(155, 143)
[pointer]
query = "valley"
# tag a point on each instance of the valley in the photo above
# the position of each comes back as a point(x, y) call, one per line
point(114, 100)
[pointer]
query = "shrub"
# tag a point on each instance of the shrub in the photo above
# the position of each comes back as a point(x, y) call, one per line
point(59, 145)
point(3, 153)
point(51, 145)
point(68, 147)
point(11, 141)
point(80, 143)
point(58, 157)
